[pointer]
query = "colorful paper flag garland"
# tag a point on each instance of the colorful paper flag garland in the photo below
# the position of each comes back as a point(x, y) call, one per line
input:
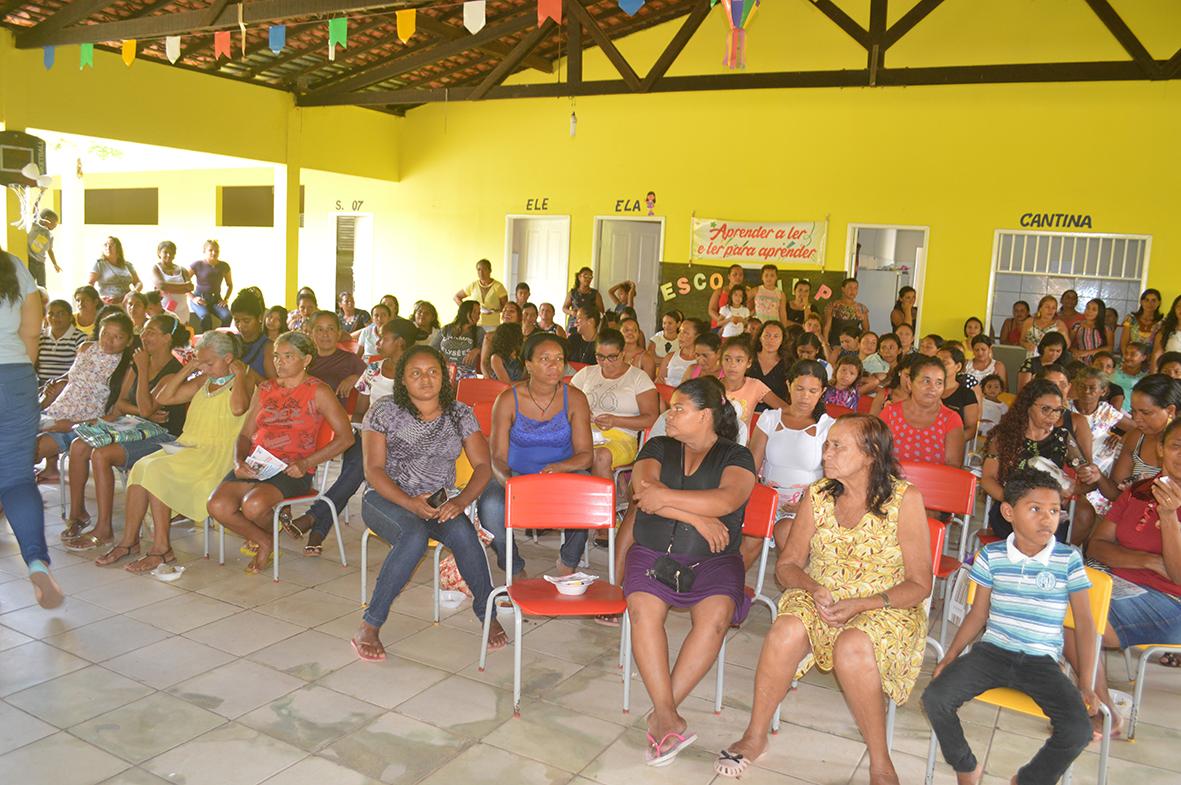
point(549, 9)
point(85, 56)
point(407, 21)
point(48, 54)
point(338, 35)
point(474, 16)
point(277, 38)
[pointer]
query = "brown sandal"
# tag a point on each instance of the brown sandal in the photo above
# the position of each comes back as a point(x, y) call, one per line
point(116, 554)
point(74, 529)
point(145, 565)
point(86, 542)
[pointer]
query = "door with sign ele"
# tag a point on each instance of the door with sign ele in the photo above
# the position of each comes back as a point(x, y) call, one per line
point(541, 256)
point(630, 251)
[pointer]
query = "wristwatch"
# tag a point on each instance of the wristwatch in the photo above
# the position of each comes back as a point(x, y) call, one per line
point(885, 599)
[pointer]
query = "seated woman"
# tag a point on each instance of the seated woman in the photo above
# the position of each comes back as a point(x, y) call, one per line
point(1030, 429)
point(540, 425)
point(412, 439)
point(510, 314)
point(691, 488)
point(770, 364)
point(306, 306)
point(274, 322)
point(1049, 351)
point(426, 319)
point(377, 381)
point(635, 351)
point(707, 350)
point(923, 428)
point(218, 396)
point(284, 419)
point(677, 364)
point(580, 346)
point(857, 568)
point(623, 402)
point(86, 393)
point(983, 363)
point(152, 367)
point(1139, 540)
point(956, 395)
point(895, 388)
point(461, 341)
point(1156, 401)
point(258, 351)
point(787, 446)
point(368, 336)
point(504, 356)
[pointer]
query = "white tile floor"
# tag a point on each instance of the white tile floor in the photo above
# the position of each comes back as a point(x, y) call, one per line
point(227, 679)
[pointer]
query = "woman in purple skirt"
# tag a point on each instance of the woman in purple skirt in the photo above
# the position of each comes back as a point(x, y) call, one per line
point(691, 489)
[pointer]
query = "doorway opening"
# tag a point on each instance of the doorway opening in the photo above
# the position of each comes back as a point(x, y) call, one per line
point(630, 249)
point(884, 259)
point(354, 256)
point(537, 251)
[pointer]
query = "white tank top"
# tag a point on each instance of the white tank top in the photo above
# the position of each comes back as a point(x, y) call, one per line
point(677, 368)
point(979, 375)
point(178, 304)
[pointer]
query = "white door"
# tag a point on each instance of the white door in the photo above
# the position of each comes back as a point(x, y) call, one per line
point(540, 256)
point(630, 250)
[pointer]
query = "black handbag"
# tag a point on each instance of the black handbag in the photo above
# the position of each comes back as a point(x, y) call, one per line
point(667, 570)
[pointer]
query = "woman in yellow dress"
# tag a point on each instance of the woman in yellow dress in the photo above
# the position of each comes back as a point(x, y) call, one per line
point(218, 394)
point(857, 567)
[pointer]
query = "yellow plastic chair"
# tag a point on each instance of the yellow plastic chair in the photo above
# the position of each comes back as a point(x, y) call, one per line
point(1015, 700)
point(1148, 652)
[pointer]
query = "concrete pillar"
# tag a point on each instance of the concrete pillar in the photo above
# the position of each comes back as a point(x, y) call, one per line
point(287, 207)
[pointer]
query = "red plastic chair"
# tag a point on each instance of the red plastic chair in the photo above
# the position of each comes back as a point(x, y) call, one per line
point(665, 391)
point(483, 412)
point(577, 366)
point(554, 501)
point(473, 391)
point(325, 435)
point(836, 410)
point(758, 521)
point(949, 490)
point(864, 404)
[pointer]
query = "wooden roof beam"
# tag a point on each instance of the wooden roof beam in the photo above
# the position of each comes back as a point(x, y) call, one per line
point(908, 21)
point(1127, 39)
point(843, 21)
point(600, 37)
point(68, 14)
point(441, 29)
point(188, 22)
point(513, 59)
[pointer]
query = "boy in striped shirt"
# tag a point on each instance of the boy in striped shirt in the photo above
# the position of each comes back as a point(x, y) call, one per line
point(58, 345)
point(1023, 587)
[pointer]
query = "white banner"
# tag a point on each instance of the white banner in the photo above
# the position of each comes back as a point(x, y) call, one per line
point(764, 242)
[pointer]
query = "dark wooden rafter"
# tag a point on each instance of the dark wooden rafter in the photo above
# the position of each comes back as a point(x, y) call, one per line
point(875, 53)
point(579, 12)
point(512, 59)
point(8, 6)
point(843, 21)
point(1118, 70)
point(69, 14)
point(671, 52)
point(1172, 68)
point(574, 50)
point(188, 22)
point(1127, 39)
point(321, 46)
point(907, 21)
point(331, 90)
point(448, 32)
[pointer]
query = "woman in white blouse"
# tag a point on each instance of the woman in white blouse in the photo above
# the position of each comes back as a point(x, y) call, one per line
point(787, 445)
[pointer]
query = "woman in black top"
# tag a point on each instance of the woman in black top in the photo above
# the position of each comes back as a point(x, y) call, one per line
point(690, 488)
point(580, 344)
point(768, 365)
point(956, 395)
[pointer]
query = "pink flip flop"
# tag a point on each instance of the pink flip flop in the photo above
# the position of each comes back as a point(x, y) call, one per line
point(657, 755)
point(362, 656)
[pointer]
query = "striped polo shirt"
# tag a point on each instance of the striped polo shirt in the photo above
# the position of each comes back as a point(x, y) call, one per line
point(1030, 594)
point(56, 355)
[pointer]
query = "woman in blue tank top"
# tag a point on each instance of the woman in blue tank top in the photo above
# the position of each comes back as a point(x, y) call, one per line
point(540, 425)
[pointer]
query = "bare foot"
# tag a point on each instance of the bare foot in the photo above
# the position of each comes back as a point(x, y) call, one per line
point(749, 747)
point(886, 776)
point(367, 644)
point(659, 727)
point(564, 570)
point(497, 637)
point(261, 560)
point(970, 777)
point(1117, 724)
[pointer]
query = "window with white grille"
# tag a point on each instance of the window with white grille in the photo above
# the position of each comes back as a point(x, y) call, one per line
point(1028, 265)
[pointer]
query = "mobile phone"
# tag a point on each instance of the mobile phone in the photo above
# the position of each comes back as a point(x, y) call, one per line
point(437, 498)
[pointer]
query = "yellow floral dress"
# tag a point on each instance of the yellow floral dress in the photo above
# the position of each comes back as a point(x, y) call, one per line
point(861, 562)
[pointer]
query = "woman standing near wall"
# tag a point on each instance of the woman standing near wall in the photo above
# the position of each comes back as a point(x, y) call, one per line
point(172, 281)
point(113, 275)
point(845, 311)
point(582, 296)
point(1141, 324)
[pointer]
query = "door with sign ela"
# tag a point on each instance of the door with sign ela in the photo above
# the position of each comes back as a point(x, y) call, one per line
point(630, 250)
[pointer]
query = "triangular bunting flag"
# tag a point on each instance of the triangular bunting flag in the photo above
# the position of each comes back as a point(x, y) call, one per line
point(47, 55)
point(221, 44)
point(549, 9)
point(277, 38)
point(473, 16)
point(338, 35)
point(630, 7)
point(172, 48)
point(129, 52)
point(407, 22)
point(85, 56)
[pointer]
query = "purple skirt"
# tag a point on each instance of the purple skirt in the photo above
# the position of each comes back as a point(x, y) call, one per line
point(716, 575)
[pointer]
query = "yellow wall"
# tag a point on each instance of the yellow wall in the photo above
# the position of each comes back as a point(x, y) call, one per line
point(963, 160)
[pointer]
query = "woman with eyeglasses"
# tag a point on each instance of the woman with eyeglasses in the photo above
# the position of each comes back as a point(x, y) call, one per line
point(623, 402)
point(1029, 430)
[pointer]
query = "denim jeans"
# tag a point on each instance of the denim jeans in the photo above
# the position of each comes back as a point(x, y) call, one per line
point(18, 445)
point(352, 473)
point(491, 509)
point(214, 306)
point(987, 666)
point(407, 535)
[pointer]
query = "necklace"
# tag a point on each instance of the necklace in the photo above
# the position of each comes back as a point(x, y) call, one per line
point(220, 380)
point(540, 408)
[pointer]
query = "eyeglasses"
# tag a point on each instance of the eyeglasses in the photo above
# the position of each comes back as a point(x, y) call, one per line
point(606, 358)
point(1056, 411)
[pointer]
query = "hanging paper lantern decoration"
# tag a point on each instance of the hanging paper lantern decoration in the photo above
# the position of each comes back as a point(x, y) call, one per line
point(47, 56)
point(738, 16)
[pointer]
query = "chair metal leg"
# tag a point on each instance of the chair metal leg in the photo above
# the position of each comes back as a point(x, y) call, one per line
point(205, 535)
point(335, 527)
point(61, 481)
point(1141, 674)
point(943, 611)
point(1105, 745)
point(221, 545)
point(720, 681)
point(435, 575)
point(1128, 661)
point(489, 611)
point(275, 542)
point(932, 746)
point(518, 645)
point(365, 535)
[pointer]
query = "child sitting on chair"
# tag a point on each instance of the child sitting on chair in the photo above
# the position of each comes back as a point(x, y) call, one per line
point(1023, 586)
